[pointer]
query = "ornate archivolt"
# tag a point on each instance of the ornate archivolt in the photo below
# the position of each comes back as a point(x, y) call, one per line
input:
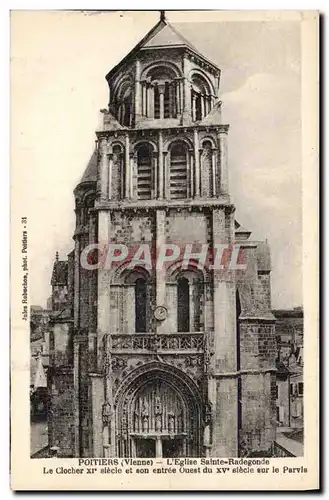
point(157, 408)
point(169, 67)
point(158, 400)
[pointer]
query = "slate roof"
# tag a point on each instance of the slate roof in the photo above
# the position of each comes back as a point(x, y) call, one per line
point(214, 117)
point(90, 173)
point(111, 123)
point(263, 256)
point(163, 34)
point(241, 231)
point(36, 309)
point(168, 36)
point(296, 312)
point(295, 448)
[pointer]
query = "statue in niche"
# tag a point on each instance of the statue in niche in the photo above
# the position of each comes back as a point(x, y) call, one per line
point(136, 421)
point(207, 424)
point(171, 423)
point(145, 417)
point(158, 414)
point(180, 422)
point(158, 405)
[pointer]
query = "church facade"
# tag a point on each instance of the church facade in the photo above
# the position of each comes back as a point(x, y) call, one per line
point(161, 361)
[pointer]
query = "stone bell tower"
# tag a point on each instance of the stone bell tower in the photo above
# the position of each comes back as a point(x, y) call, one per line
point(176, 360)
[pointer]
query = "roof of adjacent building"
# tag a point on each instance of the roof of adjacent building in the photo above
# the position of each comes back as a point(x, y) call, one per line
point(291, 440)
point(111, 123)
point(90, 173)
point(214, 117)
point(36, 308)
point(263, 256)
point(240, 231)
point(295, 312)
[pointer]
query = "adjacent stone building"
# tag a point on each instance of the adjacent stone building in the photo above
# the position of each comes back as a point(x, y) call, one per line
point(170, 361)
point(290, 365)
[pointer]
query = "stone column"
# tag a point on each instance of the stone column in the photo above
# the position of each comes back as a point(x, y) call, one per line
point(160, 273)
point(160, 164)
point(150, 101)
point(203, 106)
point(202, 181)
point(158, 447)
point(181, 95)
point(122, 175)
point(144, 98)
point(103, 168)
point(187, 111)
point(161, 88)
point(214, 173)
point(133, 177)
point(187, 98)
point(210, 103)
point(171, 100)
point(191, 169)
point(206, 104)
point(138, 103)
point(177, 87)
point(196, 164)
point(166, 176)
point(127, 167)
point(110, 159)
point(154, 178)
point(222, 139)
point(194, 107)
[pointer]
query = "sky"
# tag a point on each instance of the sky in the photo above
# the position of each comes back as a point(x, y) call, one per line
point(58, 65)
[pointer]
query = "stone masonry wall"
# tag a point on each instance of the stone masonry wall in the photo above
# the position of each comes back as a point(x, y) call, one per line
point(257, 353)
point(62, 412)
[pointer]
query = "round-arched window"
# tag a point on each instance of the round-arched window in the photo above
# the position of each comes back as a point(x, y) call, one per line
point(200, 97)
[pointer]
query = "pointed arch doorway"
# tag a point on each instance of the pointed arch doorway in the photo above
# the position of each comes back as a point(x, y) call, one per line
point(159, 421)
point(158, 417)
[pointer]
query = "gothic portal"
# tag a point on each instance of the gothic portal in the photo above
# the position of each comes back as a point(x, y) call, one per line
point(165, 361)
point(158, 414)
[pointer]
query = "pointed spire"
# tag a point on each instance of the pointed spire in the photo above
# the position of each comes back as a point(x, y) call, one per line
point(162, 15)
